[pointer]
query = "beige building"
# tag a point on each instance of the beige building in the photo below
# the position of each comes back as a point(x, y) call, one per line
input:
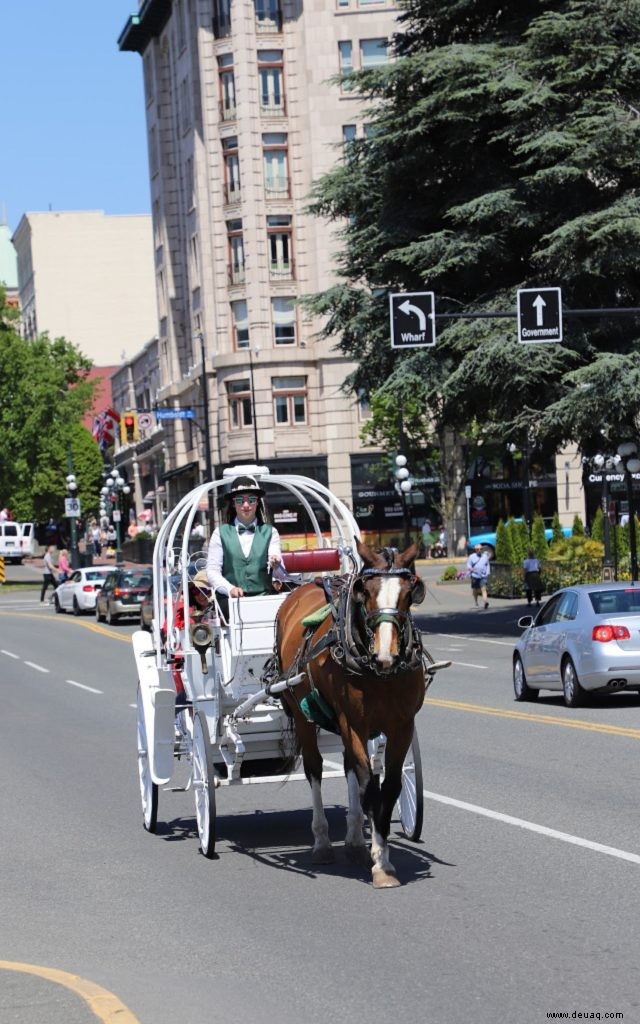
point(242, 117)
point(89, 278)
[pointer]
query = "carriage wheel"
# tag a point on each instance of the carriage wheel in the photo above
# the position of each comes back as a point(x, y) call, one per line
point(411, 800)
point(204, 785)
point(148, 788)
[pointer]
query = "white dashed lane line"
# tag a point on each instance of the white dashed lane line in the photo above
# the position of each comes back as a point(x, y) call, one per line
point(41, 668)
point(38, 668)
point(82, 686)
point(10, 654)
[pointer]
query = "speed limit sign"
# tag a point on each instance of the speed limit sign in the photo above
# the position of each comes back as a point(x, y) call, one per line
point(71, 507)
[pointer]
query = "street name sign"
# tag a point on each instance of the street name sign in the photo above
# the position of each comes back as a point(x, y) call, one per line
point(71, 508)
point(413, 323)
point(539, 315)
point(175, 414)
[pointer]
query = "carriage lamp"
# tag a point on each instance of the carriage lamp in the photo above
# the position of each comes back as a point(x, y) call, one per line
point(201, 635)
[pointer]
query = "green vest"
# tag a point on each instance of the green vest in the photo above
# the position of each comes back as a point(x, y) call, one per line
point(248, 572)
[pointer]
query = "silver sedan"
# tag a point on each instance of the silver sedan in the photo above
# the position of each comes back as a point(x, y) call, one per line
point(78, 593)
point(584, 639)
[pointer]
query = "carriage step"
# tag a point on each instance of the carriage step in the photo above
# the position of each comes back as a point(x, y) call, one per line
point(436, 666)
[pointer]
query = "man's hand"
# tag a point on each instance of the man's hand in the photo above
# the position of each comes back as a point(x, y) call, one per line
point(236, 592)
point(274, 561)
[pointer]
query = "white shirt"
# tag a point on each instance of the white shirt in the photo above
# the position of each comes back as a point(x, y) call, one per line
point(215, 555)
point(479, 564)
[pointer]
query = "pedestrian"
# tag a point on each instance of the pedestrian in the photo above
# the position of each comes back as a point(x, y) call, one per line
point(479, 569)
point(49, 572)
point(532, 578)
point(440, 548)
point(428, 537)
point(64, 566)
point(245, 549)
point(95, 534)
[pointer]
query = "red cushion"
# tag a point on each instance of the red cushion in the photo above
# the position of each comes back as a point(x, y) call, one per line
point(320, 560)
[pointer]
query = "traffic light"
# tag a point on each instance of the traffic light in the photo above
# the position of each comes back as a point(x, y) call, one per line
point(129, 428)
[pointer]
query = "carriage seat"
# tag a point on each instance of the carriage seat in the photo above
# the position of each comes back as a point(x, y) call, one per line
point(318, 560)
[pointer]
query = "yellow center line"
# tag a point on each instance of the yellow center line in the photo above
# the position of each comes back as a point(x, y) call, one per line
point(95, 627)
point(103, 1003)
point(566, 723)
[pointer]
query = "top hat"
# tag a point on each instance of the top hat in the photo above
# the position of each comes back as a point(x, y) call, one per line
point(245, 485)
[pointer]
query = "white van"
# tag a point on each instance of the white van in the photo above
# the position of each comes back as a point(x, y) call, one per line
point(17, 540)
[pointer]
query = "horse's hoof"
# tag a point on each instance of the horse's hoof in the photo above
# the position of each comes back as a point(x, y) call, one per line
point(357, 853)
point(323, 855)
point(384, 879)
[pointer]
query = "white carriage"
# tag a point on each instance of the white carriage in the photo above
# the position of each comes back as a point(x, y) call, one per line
point(229, 726)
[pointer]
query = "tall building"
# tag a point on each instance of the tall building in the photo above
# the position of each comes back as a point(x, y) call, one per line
point(8, 265)
point(242, 117)
point(89, 278)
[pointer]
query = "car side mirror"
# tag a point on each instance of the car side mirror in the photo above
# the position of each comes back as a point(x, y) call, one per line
point(525, 621)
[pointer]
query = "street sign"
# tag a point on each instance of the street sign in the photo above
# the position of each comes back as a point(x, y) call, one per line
point(413, 323)
point(116, 515)
point(539, 315)
point(71, 508)
point(175, 414)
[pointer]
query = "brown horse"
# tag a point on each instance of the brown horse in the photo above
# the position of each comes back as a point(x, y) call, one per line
point(366, 664)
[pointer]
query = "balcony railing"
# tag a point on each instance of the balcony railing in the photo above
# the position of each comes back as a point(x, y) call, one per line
point(227, 111)
point(237, 273)
point(232, 192)
point(279, 188)
point(282, 271)
point(273, 107)
point(268, 21)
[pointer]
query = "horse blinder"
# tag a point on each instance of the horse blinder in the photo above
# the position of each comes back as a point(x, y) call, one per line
point(418, 590)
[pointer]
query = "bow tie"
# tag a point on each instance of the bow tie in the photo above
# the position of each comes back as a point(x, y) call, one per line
point(247, 529)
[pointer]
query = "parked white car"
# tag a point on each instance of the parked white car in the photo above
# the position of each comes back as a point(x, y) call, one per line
point(78, 593)
point(17, 540)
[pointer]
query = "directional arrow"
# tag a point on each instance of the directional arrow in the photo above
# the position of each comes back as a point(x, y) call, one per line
point(539, 304)
point(407, 308)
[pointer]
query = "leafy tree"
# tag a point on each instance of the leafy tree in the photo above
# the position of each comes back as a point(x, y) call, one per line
point(597, 526)
point(521, 540)
point(44, 393)
point(557, 535)
point(504, 544)
point(503, 154)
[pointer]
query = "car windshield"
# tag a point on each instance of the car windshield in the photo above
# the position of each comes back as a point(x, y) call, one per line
point(625, 601)
point(136, 579)
point(95, 575)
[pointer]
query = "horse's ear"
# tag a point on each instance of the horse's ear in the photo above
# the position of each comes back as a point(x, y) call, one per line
point(418, 590)
point(366, 553)
point(409, 555)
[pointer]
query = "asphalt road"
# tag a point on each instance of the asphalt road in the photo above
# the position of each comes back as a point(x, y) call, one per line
point(519, 902)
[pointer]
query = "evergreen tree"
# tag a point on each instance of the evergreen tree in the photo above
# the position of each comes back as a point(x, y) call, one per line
point(577, 529)
point(556, 528)
point(597, 526)
point(504, 546)
point(538, 538)
point(503, 153)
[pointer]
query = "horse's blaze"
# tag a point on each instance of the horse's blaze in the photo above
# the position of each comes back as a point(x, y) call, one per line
point(386, 641)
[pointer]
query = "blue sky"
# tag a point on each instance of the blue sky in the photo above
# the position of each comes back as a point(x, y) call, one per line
point(73, 120)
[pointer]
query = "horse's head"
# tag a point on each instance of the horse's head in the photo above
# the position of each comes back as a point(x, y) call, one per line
point(385, 589)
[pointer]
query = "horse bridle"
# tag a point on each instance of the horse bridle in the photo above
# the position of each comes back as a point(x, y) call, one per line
point(409, 642)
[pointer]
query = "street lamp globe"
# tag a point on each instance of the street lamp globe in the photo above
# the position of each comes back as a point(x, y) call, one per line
point(405, 485)
point(626, 449)
point(633, 465)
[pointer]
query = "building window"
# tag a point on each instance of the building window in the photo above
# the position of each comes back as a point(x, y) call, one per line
point(349, 133)
point(181, 35)
point(345, 55)
point(373, 52)
point(231, 169)
point(195, 262)
point(184, 106)
point(147, 66)
point(364, 409)
point(240, 323)
point(289, 401)
point(221, 18)
point(271, 76)
point(239, 392)
point(280, 248)
point(227, 87)
point(190, 183)
point(268, 16)
point(154, 162)
point(236, 252)
point(276, 165)
point(283, 314)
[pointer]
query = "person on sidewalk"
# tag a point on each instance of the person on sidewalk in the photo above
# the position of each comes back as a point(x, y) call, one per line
point(532, 578)
point(479, 569)
point(48, 572)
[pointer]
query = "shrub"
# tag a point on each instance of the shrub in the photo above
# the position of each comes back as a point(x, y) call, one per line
point(450, 573)
point(504, 544)
point(597, 526)
point(538, 538)
point(556, 527)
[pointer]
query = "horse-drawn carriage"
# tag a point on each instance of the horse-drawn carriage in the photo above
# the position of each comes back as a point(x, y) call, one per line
point(332, 665)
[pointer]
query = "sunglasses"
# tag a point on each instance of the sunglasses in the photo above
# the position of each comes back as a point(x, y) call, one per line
point(241, 498)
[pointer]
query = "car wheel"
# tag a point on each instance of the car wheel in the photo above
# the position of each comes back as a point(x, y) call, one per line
point(111, 618)
point(56, 604)
point(521, 688)
point(573, 693)
point(77, 610)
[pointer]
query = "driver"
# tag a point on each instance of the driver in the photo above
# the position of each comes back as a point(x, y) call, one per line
point(245, 549)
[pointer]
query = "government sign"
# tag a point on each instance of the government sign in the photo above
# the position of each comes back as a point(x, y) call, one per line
point(539, 315)
point(413, 322)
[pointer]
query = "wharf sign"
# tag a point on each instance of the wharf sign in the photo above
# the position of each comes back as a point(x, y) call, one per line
point(413, 323)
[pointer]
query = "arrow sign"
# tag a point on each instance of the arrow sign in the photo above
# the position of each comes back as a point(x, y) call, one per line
point(412, 319)
point(539, 315)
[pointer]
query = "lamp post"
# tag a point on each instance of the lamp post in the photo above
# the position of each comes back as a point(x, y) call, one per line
point(72, 487)
point(628, 452)
point(206, 433)
point(606, 464)
point(403, 487)
point(114, 487)
point(253, 406)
